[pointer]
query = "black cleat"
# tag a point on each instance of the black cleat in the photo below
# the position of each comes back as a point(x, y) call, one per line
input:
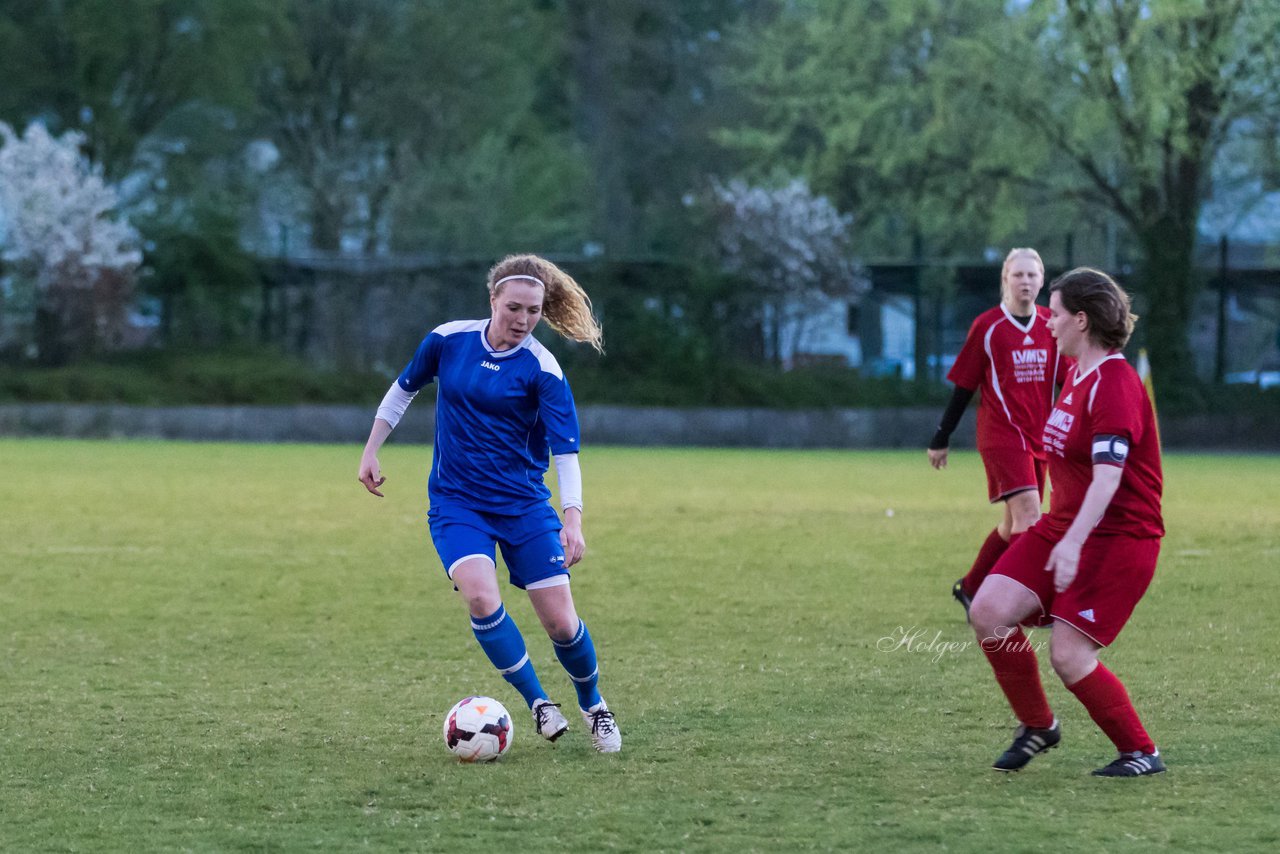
point(957, 590)
point(1135, 764)
point(1028, 742)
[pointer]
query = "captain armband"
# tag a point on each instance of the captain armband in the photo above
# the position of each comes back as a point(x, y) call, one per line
point(1110, 450)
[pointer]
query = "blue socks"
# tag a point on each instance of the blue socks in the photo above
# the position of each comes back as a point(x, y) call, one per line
point(578, 656)
point(501, 640)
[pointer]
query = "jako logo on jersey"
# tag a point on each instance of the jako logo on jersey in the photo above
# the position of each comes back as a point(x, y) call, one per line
point(1088, 615)
point(1066, 401)
point(1061, 420)
point(1031, 357)
point(490, 365)
point(1028, 340)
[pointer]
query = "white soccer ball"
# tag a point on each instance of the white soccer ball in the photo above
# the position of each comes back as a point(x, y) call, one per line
point(478, 729)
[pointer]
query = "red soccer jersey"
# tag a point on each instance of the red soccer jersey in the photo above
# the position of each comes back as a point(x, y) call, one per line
point(1110, 400)
point(1015, 367)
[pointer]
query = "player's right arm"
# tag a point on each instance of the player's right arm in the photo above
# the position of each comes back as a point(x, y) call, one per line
point(941, 442)
point(370, 471)
point(420, 371)
point(966, 373)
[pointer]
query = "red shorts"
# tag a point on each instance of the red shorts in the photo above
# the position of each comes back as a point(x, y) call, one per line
point(1012, 470)
point(1114, 572)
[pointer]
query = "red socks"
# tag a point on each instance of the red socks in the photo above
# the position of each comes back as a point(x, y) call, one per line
point(1018, 673)
point(990, 552)
point(1107, 702)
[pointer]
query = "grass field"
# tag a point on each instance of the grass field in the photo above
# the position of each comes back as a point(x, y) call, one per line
point(235, 648)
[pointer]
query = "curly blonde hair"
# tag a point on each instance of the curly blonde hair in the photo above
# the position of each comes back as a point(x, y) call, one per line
point(565, 305)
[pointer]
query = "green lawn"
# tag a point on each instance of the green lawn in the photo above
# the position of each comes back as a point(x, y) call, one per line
point(219, 647)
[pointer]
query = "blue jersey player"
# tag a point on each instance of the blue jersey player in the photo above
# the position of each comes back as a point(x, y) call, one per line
point(502, 408)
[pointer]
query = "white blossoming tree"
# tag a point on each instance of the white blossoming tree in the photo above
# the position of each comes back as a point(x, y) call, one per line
point(793, 247)
point(70, 258)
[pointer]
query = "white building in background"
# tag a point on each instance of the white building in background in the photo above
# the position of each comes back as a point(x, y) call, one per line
point(828, 332)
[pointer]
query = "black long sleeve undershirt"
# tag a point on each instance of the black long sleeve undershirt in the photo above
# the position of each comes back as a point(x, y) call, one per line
point(960, 398)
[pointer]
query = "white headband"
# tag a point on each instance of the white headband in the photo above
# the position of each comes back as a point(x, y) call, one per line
point(520, 276)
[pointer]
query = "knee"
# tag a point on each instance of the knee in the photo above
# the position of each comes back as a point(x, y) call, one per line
point(1070, 663)
point(986, 617)
point(482, 603)
point(1023, 512)
point(561, 628)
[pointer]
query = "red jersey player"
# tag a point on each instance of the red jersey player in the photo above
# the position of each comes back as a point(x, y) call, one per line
point(1010, 356)
point(1084, 566)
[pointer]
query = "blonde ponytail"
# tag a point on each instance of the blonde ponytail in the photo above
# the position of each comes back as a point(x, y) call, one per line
point(565, 305)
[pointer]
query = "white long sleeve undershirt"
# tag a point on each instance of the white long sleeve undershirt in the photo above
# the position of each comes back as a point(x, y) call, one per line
point(569, 477)
point(394, 403)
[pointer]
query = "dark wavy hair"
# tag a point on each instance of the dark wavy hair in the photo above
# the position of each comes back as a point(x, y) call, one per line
point(1104, 302)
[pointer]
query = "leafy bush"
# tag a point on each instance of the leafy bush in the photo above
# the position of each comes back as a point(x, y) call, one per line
point(177, 377)
point(263, 376)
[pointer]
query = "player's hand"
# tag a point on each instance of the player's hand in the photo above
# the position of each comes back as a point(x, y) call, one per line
point(371, 475)
point(1064, 561)
point(571, 537)
point(938, 457)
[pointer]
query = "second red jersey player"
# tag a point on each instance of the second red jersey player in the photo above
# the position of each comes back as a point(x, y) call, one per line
point(1010, 357)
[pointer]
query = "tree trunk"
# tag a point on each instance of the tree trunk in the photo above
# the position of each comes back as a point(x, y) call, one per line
point(601, 33)
point(1167, 282)
point(326, 223)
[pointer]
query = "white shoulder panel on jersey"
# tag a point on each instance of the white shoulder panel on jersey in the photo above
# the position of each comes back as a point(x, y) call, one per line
point(546, 360)
point(1093, 392)
point(455, 326)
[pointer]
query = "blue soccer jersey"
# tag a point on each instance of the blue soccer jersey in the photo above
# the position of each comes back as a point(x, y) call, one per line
point(499, 415)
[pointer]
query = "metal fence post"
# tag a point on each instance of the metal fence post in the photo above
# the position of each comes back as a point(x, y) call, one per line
point(1220, 354)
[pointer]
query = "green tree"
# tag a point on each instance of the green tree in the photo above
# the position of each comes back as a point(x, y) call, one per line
point(161, 90)
point(1137, 98)
point(851, 95)
point(644, 101)
point(487, 162)
point(123, 71)
point(414, 125)
point(958, 121)
point(333, 60)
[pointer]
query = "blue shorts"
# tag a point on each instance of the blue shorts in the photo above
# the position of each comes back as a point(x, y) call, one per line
point(530, 543)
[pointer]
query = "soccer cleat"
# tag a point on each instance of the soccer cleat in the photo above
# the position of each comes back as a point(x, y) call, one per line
point(604, 729)
point(1135, 764)
point(957, 590)
point(1027, 742)
point(547, 720)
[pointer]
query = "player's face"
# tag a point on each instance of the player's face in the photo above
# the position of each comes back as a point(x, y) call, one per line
point(1023, 280)
point(517, 308)
point(1069, 329)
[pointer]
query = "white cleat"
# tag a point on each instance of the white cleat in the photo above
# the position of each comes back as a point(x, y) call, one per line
point(547, 720)
point(604, 729)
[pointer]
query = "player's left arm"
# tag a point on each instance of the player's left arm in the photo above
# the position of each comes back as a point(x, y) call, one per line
point(560, 414)
point(1064, 560)
point(569, 480)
